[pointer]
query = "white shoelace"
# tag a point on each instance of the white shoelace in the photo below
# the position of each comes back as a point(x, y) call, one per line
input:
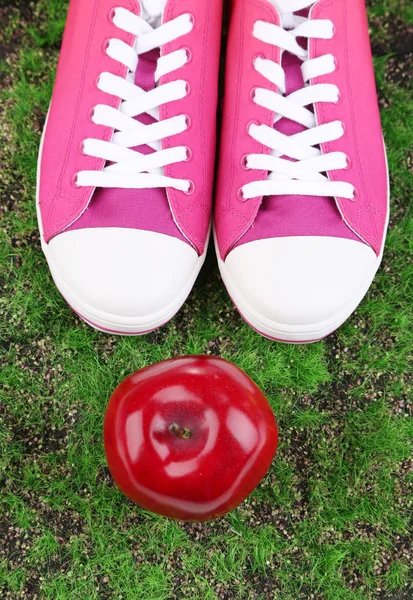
point(305, 175)
point(129, 168)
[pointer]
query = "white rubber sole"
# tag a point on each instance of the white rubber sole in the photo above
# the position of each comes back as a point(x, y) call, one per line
point(102, 321)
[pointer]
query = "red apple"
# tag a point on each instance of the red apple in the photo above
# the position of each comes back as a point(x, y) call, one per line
point(189, 438)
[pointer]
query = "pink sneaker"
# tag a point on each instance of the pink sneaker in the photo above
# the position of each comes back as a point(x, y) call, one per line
point(126, 163)
point(303, 196)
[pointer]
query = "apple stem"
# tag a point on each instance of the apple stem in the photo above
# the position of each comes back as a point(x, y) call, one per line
point(180, 431)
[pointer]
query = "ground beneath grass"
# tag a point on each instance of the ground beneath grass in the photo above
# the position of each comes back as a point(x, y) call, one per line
point(331, 521)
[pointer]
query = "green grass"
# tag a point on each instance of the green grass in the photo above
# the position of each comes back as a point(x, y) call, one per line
point(331, 519)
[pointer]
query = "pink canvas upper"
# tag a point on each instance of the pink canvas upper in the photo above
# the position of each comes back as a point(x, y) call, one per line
point(193, 212)
point(238, 222)
point(232, 217)
point(287, 215)
point(359, 111)
point(128, 208)
point(82, 60)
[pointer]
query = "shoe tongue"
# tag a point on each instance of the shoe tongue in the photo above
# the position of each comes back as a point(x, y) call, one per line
point(283, 7)
point(152, 11)
point(288, 13)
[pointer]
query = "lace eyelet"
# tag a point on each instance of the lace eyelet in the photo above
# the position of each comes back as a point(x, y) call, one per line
point(349, 163)
point(191, 188)
point(240, 195)
point(187, 88)
point(356, 195)
point(74, 181)
point(253, 122)
point(244, 161)
point(112, 14)
point(188, 53)
point(188, 122)
point(344, 129)
point(191, 18)
point(188, 154)
point(106, 46)
point(339, 100)
point(97, 81)
point(92, 114)
point(336, 65)
point(82, 148)
point(256, 57)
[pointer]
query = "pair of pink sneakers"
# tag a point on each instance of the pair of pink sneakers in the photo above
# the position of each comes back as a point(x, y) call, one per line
point(126, 167)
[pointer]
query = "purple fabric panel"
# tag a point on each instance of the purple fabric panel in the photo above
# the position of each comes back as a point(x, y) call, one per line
point(134, 209)
point(145, 72)
point(284, 216)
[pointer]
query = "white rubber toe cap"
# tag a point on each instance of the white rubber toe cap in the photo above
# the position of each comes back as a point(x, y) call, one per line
point(299, 288)
point(126, 280)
